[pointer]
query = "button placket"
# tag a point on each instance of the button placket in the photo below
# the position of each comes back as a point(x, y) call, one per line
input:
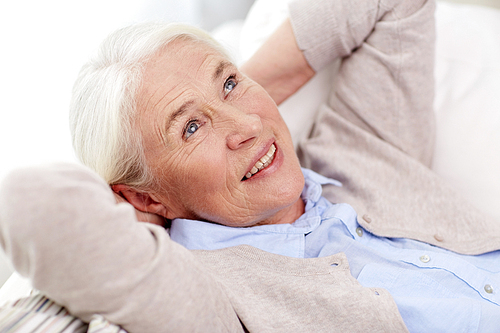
point(488, 291)
point(488, 288)
point(483, 283)
point(425, 258)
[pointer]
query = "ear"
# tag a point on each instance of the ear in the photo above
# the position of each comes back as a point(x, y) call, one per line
point(142, 201)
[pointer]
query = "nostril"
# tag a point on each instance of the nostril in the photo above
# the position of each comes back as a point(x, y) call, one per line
point(247, 140)
point(238, 141)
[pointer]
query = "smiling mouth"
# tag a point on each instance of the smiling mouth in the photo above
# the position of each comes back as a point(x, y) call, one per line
point(261, 164)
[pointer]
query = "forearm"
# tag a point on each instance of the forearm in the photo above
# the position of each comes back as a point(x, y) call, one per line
point(279, 65)
point(61, 227)
point(385, 81)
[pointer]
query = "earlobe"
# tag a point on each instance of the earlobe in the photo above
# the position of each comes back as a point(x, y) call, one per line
point(141, 201)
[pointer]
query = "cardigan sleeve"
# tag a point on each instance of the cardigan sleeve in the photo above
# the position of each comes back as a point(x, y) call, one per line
point(326, 30)
point(61, 227)
point(385, 83)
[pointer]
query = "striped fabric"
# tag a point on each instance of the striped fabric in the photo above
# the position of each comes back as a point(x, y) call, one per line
point(38, 314)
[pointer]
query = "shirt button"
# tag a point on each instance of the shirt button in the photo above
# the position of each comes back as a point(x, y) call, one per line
point(359, 231)
point(367, 218)
point(425, 258)
point(488, 288)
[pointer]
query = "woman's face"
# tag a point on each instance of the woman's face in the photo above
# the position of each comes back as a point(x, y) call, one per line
point(207, 130)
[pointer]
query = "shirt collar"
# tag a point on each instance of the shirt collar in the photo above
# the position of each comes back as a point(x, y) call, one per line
point(312, 191)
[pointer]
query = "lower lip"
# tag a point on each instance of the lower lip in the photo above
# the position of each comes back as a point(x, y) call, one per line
point(275, 164)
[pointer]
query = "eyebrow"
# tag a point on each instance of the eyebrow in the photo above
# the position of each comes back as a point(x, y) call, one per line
point(220, 69)
point(177, 114)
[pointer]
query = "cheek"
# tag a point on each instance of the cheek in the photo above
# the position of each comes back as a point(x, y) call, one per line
point(197, 174)
point(262, 104)
point(260, 101)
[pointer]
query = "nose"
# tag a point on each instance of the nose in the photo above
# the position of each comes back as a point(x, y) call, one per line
point(245, 128)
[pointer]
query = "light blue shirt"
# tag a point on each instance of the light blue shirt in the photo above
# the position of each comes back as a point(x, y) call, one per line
point(436, 290)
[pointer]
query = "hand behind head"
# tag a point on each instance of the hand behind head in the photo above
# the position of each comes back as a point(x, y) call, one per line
point(144, 216)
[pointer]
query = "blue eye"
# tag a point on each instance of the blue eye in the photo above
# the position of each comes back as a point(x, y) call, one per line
point(229, 85)
point(191, 128)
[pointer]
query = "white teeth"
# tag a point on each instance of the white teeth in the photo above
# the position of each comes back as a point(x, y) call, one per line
point(263, 162)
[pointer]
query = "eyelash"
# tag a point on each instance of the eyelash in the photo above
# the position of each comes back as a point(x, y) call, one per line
point(231, 78)
point(186, 134)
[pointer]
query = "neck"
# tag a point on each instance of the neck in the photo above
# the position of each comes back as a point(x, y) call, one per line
point(287, 215)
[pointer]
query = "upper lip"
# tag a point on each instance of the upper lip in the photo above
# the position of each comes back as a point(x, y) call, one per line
point(262, 151)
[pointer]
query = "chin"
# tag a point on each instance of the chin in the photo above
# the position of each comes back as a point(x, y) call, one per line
point(289, 190)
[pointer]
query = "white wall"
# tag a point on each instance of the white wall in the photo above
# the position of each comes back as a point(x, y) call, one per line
point(490, 3)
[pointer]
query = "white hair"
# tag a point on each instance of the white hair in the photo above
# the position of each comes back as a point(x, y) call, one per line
point(103, 104)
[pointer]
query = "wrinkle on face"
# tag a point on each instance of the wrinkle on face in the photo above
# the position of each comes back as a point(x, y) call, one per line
point(201, 176)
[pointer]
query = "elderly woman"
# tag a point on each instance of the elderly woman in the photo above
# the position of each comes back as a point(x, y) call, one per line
point(184, 138)
point(181, 134)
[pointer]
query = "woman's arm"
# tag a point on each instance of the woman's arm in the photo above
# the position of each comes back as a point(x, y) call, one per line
point(385, 81)
point(61, 226)
point(279, 65)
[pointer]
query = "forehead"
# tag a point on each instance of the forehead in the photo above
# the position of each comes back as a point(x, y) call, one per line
point(182, 71)
point(182, 58)
point(180, 65)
